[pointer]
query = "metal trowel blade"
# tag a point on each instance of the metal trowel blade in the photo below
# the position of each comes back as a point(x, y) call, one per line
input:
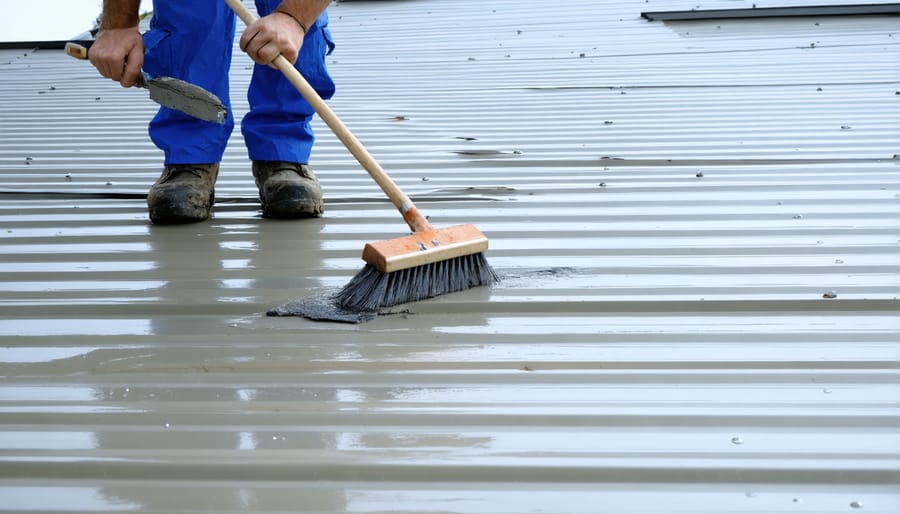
point(186, 97)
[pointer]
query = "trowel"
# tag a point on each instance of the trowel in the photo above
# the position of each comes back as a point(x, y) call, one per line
point(172, 93)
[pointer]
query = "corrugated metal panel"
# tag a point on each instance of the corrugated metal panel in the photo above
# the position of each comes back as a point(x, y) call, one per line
point(667, 202)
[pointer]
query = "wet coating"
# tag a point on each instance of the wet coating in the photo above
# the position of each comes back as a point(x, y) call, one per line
point(679, 353)
point(322, 307)
point(326, 307)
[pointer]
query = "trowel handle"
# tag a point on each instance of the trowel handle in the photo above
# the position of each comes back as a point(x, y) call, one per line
point(407, 208)
point(77, 51)
point(81, 52)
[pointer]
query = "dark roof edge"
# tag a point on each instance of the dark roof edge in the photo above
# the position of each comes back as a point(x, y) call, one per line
point(41, 45)
point(769, 12)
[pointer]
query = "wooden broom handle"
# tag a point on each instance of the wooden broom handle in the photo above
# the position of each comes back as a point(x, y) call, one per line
point(407, 208)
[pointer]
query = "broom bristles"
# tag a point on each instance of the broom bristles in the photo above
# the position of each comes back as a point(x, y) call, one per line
point(371, 289)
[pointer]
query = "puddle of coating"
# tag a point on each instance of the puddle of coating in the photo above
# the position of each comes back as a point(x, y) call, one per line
point(322, 308)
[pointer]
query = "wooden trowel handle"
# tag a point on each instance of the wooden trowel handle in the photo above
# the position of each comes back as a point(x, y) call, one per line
point(407, 208)
point(77, 51)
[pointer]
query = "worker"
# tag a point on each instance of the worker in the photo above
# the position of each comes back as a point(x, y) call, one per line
point(193, 41)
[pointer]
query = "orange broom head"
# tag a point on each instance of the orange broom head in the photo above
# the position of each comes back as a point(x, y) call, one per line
point(424, 247)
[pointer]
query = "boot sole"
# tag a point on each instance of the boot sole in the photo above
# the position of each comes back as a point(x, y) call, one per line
point(292, 210)
point(174, 214)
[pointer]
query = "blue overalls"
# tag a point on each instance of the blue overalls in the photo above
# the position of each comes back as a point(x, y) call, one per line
point(193, 41)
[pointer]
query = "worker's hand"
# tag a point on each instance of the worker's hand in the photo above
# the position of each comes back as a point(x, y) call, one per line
point(271, 36)
point(118, 54)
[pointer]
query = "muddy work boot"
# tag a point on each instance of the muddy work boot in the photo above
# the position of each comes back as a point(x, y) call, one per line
point(287, 190)
point(183, 194)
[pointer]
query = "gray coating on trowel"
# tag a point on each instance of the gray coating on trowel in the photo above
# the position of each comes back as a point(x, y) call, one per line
point(187, 98)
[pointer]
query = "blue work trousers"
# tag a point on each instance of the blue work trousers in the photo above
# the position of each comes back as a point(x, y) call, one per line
point(193, 41)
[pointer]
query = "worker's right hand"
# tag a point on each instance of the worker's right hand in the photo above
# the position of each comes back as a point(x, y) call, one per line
point(118, 54)
point(271, 36)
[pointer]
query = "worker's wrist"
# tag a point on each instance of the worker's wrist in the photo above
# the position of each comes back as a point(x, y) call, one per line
point(296, 19)
point(116, 32)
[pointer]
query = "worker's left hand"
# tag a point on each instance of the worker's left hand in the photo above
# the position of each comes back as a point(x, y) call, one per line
point(271, 36)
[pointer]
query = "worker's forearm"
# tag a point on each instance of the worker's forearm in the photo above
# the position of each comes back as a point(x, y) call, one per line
point(304, 11)
point(120, 14)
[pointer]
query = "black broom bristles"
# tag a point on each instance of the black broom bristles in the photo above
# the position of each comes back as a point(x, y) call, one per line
point(371, 289)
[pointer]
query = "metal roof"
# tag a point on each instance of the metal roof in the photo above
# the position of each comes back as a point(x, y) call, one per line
point(668, 204)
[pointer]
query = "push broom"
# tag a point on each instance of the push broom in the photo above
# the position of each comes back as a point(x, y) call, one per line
point(427, 263)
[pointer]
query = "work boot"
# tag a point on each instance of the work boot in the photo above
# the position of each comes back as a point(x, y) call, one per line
point(183, 194)
point(287, 190)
